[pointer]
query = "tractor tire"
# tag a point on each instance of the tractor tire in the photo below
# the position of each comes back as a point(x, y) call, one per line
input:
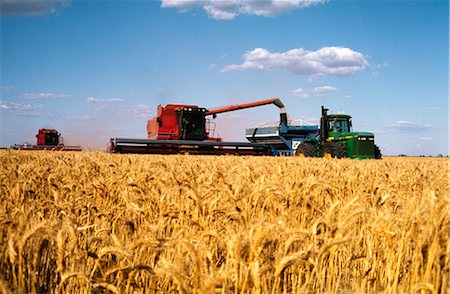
point(306, 150)
point(334, 150)
point(377, 152)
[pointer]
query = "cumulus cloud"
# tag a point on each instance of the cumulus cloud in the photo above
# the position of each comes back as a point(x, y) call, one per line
point(44, 96)
point(104, 101)
point(317, 91)
point(331, 61)
point(32, 7)
point(229, 9)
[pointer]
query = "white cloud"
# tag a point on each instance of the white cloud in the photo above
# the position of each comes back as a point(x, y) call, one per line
point(223, 10)
point(317, 91)
point(27, 113)
point(125, 109)
point(324, 89)
point(4, 105)
point(275, 7)
point(229, 9)
point(332, 61)
point(27, 110)
point(137, 110)
point(302, 93)
point(44, 96)
point(7, 88)
point(104, 101)
point(408, 126)
point(32, 7)
point(426, 139)
point(183, 4)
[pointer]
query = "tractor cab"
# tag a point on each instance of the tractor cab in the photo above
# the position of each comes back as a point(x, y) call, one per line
point(356, 144)
point(337, 138)
point(339, 123)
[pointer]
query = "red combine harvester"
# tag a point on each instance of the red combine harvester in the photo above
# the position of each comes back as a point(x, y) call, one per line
point(181, 128)
point(48, 139)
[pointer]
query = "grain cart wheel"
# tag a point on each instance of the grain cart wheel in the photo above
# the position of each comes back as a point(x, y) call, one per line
point(334, 150)
point(377, 152)
point(306, 150)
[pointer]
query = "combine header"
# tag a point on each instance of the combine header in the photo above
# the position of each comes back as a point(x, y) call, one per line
point(181, 128)
point(47, 139)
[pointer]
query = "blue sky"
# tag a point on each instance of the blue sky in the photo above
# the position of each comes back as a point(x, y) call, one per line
point(98, 69)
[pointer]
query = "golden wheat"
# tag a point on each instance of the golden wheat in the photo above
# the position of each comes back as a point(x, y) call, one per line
point(88, 222)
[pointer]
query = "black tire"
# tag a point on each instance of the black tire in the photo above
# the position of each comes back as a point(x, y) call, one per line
point(377, 152)
point(306, 150)
point(335, 150)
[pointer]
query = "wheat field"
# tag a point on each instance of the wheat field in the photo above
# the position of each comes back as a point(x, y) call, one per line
point(108, 223)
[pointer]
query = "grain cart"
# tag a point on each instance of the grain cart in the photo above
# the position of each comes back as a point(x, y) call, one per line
point(282, 139)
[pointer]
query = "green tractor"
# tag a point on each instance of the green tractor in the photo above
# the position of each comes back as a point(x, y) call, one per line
point(336, 139)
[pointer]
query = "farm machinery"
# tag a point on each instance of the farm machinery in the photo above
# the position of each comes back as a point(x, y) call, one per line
point(48, 139)
point(179, 128)
point(334, 139)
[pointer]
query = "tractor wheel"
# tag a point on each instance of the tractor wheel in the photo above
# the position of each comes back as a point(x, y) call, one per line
point(377, 152)
point(334, 150)
point(306, 150)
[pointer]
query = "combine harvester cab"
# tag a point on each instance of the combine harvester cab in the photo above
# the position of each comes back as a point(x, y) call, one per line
point(47, 139)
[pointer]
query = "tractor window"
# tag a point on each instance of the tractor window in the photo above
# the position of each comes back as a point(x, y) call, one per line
point(339, 126)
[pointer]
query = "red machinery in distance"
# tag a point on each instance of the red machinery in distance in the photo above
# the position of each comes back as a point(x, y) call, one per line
point(189, 122)
point(48, 139)
point(179, 128)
